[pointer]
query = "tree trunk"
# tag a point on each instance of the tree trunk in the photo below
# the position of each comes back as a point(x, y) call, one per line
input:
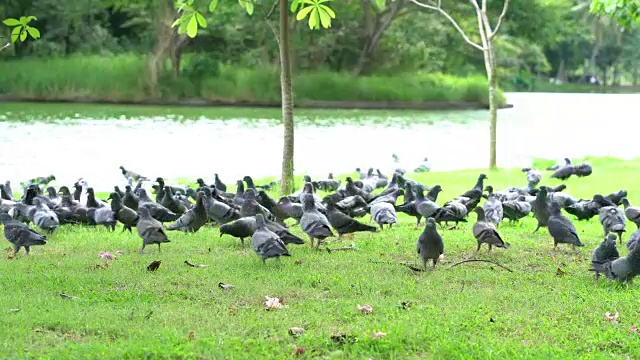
point(635, 75)
point(561, 71)
point(287, 180)
point(596, 48)
point(490, 65)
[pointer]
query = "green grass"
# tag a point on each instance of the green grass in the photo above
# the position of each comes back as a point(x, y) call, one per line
point(472, 311)
point(65, 113)
point(122, 77)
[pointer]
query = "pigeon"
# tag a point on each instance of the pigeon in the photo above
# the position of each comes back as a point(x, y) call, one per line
point(533, 176)
point(631, 212)
point(42, 180)
point(617, 197)
point(344, 224)
point(514, 210)
point(53, 197)
point(250, 183)
point(291, 209)
point(564, 172)
point(239, 198)
point(424, 166)
point(154, 265)
point(251, 207)
point(150, 229)
point(241, 228)
point(267, 202)
point(564, 162)
point(44, 218)
point(493, 210)
point(102, 216)
point(127, 216)
point(561, 228)
point(5, 193)
point(20, 235)
point(475, 194)
point(486, 233)
point(351, 189)
point(583, 170)
point(585, 210)
point(219, 184)
point(541, 208)
point(194, 219)
point(130, 199)
point(384, 214)
point(132, 176)
point(265, 242)
point(613, 220)
point(605, 252)
point(92, 202)
point(633, 240)
point(170, 202)
point(624, 269)
point(314, 223)
point(309, 189)
point(391, 197)
point(156, 211)
point(430, 244)
point(564, 199)
point(218, 211)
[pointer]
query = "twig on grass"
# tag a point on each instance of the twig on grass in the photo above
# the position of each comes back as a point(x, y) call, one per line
point(481, 260)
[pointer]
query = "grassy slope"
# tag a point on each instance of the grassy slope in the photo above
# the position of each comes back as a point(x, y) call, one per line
point(536, 314)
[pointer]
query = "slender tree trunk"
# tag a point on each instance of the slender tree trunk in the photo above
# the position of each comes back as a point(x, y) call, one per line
point(561, 71)
point(287, 180)
point(596, 48)
point(635, 75)
point(493, 116)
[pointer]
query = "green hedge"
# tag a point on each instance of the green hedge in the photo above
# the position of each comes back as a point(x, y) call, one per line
point(122, 77)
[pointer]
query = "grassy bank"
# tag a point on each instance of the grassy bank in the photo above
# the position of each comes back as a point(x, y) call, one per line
point(474, 311)
point(122, 78)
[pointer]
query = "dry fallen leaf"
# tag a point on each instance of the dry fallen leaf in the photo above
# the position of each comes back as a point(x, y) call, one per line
point(154, 265)
point(612, 318)
point(119, 252)
point(232, 311)
point(298, 262)
point(14, 310)
point(634, 330)
point(378, 335)
point(560, 272)
point(9, 256)
point(298, 350)
point(106, 255)
point(191, 335)
point(366, 309)
point(296, 331)
point(272, 303)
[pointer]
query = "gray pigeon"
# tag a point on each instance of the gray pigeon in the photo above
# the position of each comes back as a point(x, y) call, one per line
point(631, 212)
point(265, 242)
point(605, 252)
point(157, 211)
point(241, 228)
point(193, 219)
point(515, 210)
point(384, 213)
point(624, 269)
point(486, 233)
point(561, 228)
point(102, 216)
point(20, 235)
point(430, 244)
point(131, 176)
point(130, 199)
point(293, 210)
point(218, 211)
point(613, 220)
point(633, 240)
point(533, 176)
point(541, 208)
point(251, 207)
point(493, 211)
point(150, 229)
point(127, 216)
point(219, 184)
point(343, 223)
point(314, 223)
point(44, 218)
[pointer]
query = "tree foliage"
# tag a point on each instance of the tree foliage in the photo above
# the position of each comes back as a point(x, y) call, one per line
point(625, 12)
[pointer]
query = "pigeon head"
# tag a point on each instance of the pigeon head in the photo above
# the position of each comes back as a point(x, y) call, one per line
point(247, 179)
point(483, 177)
point(625, 202)
point(284, 200)
point(200, 182)
point(480, 212)
point(526, 169)
point(90, 191)
point(51, 191)
point(51, 178)
point(206, 191)
point(349, 180)
point(488, 189)
point(430, 223)
point(199, 197)
point(330, 176)
point(64, 191)
point(308, 187)
point(127, 188)
point(260, 221)
point(122, 168)
point(115, 197)
point(358, 169)
point(567, 161)
point(160, 180)
point(370, 172)
point(611, 239)
point(36, 202)
point(307, 178)
point(543, 190)
point(250, 194)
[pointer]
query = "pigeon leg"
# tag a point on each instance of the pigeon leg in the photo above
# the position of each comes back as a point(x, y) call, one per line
point(26, 248)
point(242, 241)
point(311, 241)
point(16, 248)
point(479, 244)
point(158, 247)
point(489, 252)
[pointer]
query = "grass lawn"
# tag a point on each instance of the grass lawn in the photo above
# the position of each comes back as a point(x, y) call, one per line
point(471, 311)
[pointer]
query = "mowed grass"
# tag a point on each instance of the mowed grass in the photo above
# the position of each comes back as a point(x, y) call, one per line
point(471, 311)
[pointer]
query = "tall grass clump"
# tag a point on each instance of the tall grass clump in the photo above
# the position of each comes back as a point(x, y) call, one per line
point(123, 77)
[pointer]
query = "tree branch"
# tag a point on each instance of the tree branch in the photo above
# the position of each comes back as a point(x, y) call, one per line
point(504, 11)
point(5, 46)
point(451, 20)
point(273, 8)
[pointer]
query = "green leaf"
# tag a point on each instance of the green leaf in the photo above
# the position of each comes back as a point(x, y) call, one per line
point(314, 18)
point(15, 33)
point(212, 5)
point(304, 12)
point(201, 20)
point(177, 22)
point(295, 4)
point(329, 11)
point(23, 36)
point(325, 19)
point(23, 20)
point(380, 4)
point(35, 33)
point(29, 18)
point(11, 22)
point(192, 27)
point(249, 8)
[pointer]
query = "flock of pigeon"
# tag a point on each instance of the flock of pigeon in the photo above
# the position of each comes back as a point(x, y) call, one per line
point(251, 213)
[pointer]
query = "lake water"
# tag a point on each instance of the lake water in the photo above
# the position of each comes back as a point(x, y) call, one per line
point(539, 125)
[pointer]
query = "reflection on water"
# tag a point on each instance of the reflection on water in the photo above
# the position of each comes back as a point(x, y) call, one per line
point(539, 125)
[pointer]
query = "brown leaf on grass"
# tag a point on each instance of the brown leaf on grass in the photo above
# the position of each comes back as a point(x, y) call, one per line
point(296, 331)
point(298, 262)
point(560, 272)
point(634, 330)
point(378, 335)
point(154, 265)
point(612, 318)
point(10, 256)
point(191, 335)
point(232, 311)
point(366, 309)
point(298, 350)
